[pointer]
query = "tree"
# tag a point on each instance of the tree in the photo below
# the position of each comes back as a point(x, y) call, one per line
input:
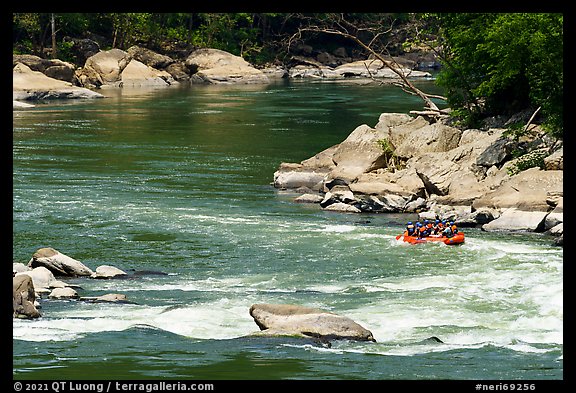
point(502, 63)
point(370, 34)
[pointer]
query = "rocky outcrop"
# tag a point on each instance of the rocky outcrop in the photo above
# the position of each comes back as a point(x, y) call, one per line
point(407, 164)
point(37, 279)
point(34, 85)
point(289, 319)
point(52, 68)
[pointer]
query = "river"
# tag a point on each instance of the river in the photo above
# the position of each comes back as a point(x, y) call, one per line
point(178, 181)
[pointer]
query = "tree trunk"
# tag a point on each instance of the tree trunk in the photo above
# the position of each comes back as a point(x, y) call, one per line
point(53, 25)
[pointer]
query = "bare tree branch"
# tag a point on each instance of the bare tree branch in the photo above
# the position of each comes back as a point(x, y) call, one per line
point(344, 31)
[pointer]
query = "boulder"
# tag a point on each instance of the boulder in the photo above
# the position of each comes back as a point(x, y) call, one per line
point(137, 74)
point(359, 153)
point(106, 271)
point(43, 279)
point(517, 220)
point(527, 191)
point(107, 298)
point(309, 198)
point(116, 67)
point(555, 217)
point(53, 68)
point(381, 183)
point(105, 67)
point(23, 298)
point(149, 57)
point(298, 175)
point(374, 69)
point(217, 66)
point(18, 267)
point(342, 207)
point(289, 319)
point(429, 138)
point(34, 85)
point(555, 161)
point(58, 263)
point(63, 293)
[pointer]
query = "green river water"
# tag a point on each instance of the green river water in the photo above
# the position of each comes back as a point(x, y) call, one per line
point(178, 180)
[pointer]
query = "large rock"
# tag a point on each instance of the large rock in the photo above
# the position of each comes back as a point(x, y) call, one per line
point(116, 67)
point(289, 319)
point(410, 139)
point(359, 153)
point(137, 74)
point(63, 293)
point(517, 220)
point(106, 271)
point(23, 298)
point(220, 67)
point(556, 216)
point(34, 85)
point(528, 190)
point(53, 68)
point(149, 57)
point(43, 279)
point(105, 67)
point(374, 69)
point(58, 263)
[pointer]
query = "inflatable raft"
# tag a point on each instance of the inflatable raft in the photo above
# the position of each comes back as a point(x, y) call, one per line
point(456, 239)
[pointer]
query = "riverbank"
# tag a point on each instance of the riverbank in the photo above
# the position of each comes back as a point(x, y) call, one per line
point(408, 164)
point(37, 78)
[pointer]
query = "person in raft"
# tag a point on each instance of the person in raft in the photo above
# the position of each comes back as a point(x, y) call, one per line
point(440, 228)
point(422, 231)
point(410, 228)
point(450, 230)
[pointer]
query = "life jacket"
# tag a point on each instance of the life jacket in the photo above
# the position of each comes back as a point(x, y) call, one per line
point(454, 229)
point(410, 229)
point(424, 231)
point(439, 228)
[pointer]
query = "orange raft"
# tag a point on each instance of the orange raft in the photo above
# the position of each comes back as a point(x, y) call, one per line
point(456, 239)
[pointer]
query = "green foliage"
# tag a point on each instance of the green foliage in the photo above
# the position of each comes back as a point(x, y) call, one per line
point(503, 63)
point(530, 160)
point(392, 161)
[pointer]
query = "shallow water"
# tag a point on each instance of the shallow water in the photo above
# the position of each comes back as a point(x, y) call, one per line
point(178, 181)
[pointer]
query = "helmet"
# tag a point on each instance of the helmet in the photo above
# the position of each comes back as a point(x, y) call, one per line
point(426, 221)
point(409, 223)
point(418, 224)
point(437, 222)
point(444, 221)
point(451, 222)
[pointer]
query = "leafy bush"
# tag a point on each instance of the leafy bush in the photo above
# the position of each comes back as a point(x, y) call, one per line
point(530, 160)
